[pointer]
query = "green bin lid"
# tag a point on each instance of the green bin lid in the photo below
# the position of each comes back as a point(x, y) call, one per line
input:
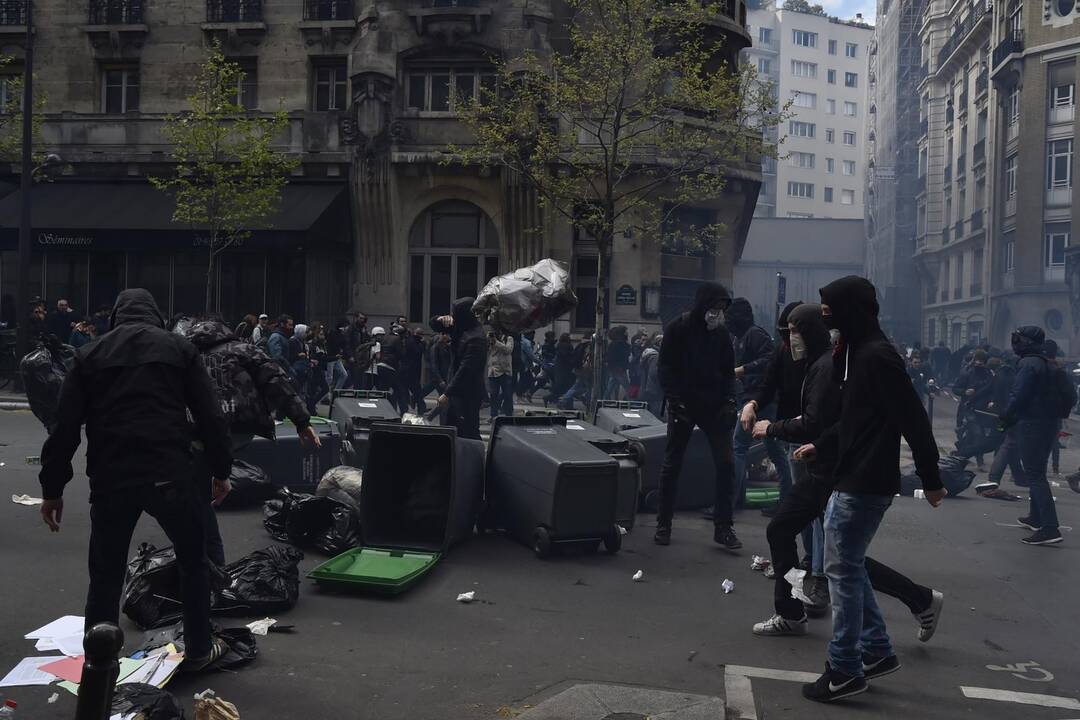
point(379, 570)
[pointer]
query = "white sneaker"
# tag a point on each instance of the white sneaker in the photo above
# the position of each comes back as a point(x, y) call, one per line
point(928, 619)
point(776, 626)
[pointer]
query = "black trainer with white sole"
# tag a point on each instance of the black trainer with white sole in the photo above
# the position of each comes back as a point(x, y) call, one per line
point(1044, 536)
point(834, 685)
point(1028, 523)
point(875, 667)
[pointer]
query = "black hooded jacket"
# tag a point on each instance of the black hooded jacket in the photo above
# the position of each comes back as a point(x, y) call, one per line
point(697, 365)
point(783, 376)
point(133, 388)
point(468, 351)
point(878, 401)
point(1031, 395)
point(753, 346)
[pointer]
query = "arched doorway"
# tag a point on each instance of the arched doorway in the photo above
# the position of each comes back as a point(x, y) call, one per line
point(453, 251)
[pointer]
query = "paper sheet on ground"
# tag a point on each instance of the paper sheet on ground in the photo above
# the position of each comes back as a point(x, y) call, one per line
point(127, 667)
point(28, 672)
point(156, 670)
point(68, 668)
point(61, 627)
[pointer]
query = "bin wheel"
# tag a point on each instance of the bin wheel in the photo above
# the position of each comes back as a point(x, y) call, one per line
point(651, 503)
point(542, 543)
point(613, 541)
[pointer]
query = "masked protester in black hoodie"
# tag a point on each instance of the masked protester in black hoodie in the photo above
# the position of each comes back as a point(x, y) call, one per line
point(468, 347)
point(878, 406)
point(819, 409)
point(697, 373)
point(133, 388)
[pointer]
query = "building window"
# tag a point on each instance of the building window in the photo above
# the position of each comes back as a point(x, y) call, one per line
point(1064, 8)
point(958, 286)
point(831, 75)
point(851, 50)
point(832, 47)
point(851, 79)
point(828, 194)
point(1010, 177)
point(804, 38)
point(920, 219)
point(1009, 251)
point(247, 85)
point(1063, 96)
point(830, 135)
point(931, 330)
point(803, 69)
point(330, 86)
point(802, 160)
point(800, 190)
point(847, 197)
point(805, 100)
point(830, 165)
point(804, 215)
point(849, 138)
point(763, 66)
point(849, 167)
point(830, 106)
point(801, 129)
point(851, 109)
point(1013, 106)
point(1059, 164)
point(1057, 239)
point(764, 36)
point(440, 89)
point(922, 162)
point(120, 90)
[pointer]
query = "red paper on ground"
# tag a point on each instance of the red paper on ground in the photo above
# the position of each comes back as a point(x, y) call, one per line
point(70, 669)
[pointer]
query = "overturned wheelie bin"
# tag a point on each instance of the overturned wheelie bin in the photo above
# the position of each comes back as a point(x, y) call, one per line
point(421, 494)
point(546, 486)
point(631, 466)
point(697, 480)
point(355, 411)
point(618, 415)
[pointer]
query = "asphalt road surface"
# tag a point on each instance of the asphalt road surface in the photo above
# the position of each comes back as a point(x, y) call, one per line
point(575, 637)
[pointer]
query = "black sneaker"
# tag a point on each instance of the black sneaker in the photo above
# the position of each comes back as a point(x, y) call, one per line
point(1028, 523)
point(806, 564)
point(663, 535)
point(834, 685)
point(1074, 482)
point(726, 536)
point(817, 589)
point(1043, 537)
point(875, 667)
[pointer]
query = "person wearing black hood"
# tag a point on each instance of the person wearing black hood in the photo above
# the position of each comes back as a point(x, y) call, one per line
point(878, 406)
point(1032, 406)
point(134, 388)
point(464, 393)
point(697, 374)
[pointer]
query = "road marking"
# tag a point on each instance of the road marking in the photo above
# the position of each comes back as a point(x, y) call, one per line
point(1021, 670)
point(739, 696)
point(771, 674)
point(1051, 701)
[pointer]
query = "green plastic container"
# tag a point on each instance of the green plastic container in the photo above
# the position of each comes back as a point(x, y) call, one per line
point(385, 572)
point(761, 497)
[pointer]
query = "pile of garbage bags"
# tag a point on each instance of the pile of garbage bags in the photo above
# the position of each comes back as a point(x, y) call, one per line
point(251, 487)
point(240, 643)
point(43, 370)
point(954, 476)
point(310, 521)
point(147, 702)
point(527, 298)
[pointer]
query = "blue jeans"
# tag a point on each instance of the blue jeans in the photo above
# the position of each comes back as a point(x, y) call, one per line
point(578, 389)
point(501, 390)
point(336, 375)
point(850, 523)
point(741, 441)
point(1036, 439)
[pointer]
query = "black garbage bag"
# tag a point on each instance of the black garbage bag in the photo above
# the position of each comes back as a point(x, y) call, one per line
point(152, 588)
point(251, 486)
point(954, 476)
point(43, 370)
point(343, 532)
point(978, 435)
point(309, 521)
point(262, 583)
point(240, 641)
point(149, 702)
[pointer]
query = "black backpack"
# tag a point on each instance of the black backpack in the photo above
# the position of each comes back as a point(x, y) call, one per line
point(1061, 389)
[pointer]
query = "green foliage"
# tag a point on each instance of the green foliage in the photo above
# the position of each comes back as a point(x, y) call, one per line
point(11, 117)
point(228, 176)
point(804, 7)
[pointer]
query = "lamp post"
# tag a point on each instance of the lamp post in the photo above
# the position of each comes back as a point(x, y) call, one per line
point(26, 180)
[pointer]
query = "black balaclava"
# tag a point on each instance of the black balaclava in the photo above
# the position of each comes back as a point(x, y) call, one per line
point(854, 306)
point(808, 321)
point(1028, 340)
point(739, 317)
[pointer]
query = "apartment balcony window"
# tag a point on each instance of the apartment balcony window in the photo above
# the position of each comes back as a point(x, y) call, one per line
point(944, 296)
point(958, 229)
point(116, 12)
point(328, 10)
point(120, 89)
point(963, 102)
point(1056, 240)
point(1013, 43)
point(1059, 157)
point(976, 220)
point(234, 11)
point(950, 114)
point(948, 174)
point(1012, 131)
point(945, 235)
point(978, 154)
point(1063, 102)
point(982, 83)
point(961, 165)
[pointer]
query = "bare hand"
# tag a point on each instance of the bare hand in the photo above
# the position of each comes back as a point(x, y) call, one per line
point(739, 371)
point(220, 490)
point(761, 429)
point(806, 452)
point(749, 417)
point(52, 512)
point(446, 320)
point(934, 497)
point(309, 438)
point(444, 401)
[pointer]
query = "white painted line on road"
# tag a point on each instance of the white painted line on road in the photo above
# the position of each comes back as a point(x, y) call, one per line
point(1052, 701)
point(1066, 528)
point(771, 674)
point(739, 696)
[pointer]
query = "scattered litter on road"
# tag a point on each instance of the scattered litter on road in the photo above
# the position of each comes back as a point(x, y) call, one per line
point(622, 530)
point(209, 706)
point(29, 672)
point(728, 586)
point(770, 572)
point(261, 627)
point(760, 563)
point(639, 576)
point(467, 597)
point(33, 459)
point(693, 654)
point(795, 578)
point(25, 500)
point(53, 698)
point(919, 494)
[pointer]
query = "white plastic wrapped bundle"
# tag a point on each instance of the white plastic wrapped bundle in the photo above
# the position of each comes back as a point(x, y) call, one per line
point(526, 299)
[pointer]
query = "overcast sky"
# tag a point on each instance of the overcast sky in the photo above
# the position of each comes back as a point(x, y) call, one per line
point(846, 9)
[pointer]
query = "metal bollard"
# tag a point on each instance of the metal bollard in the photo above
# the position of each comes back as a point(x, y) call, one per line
point(101, 668)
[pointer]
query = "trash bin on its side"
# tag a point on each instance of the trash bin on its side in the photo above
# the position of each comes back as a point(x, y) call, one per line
point(545, 485)
point(618, 415)
point(631, 467)
point(355, 411)
point(287, 462)
point(697, 480)
point(421, 494)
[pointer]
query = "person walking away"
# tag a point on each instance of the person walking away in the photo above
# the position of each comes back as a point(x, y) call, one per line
point(562, 371)
point(753, 349)
point(1035, 404)
point(277, 345)
point(637, 346)
point(650, 391)
point(250, 388)
point(465, 392)
point(336, 349)
point(1007, 455)
point(878, 407)
point(618, 364)
point(697, 373)
point(580, 376)
point(260, 334)
point(501, 374)
point(298, 359)
point(356, 338)
point(133, 389)
point(62, 321)
point(412, 365)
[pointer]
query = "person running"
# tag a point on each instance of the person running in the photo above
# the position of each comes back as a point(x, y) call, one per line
point(697, 373)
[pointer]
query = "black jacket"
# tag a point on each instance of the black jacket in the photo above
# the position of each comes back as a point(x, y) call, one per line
point(59, 324)
point(439, 359)
point(979, 379)
point(133, 388)
point(337, 345)
point(697, 365)
point(468, 352)
point(783, 377)
point(753, 346)
point(820, 409)
point(412, 357)
point(392, 350)
point(1031, 396)
point(879, 404)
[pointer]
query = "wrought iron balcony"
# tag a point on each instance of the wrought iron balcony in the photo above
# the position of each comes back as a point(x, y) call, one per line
point(116, 12)
point(958, 230)
point(976, 220)
point(961, 165)
point(945, 241)
point(960, 32)
point(234, 11)
point(12, 12)
point(948, 174)
point(327, 10)
point(1013, 43)
point(982, 83)
point(978, 153)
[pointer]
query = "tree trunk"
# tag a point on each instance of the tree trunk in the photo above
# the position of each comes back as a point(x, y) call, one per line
point(210, 276)
point(603, 270)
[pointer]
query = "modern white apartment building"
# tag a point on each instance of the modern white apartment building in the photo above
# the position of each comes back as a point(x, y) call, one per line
point(819, 64)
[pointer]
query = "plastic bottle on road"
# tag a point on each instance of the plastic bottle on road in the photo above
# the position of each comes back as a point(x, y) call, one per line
point(7, 712)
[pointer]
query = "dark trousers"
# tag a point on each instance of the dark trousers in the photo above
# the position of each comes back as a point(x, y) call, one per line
point(1036, 439)
point(501, 395)
point(1008, 456)
point(807, 500)
point(717, 427)
point(180, 514)
point(464, 414)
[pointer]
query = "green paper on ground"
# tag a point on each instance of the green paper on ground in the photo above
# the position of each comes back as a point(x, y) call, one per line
point(127, 667)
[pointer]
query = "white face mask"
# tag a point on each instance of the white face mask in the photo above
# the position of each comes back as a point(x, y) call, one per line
point(713, 318)
point(834, 336)
point(798, 346)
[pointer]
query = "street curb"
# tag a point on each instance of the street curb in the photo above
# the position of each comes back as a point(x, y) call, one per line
point(4, 405)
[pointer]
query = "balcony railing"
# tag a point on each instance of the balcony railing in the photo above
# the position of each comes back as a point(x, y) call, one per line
point(976, 220)
point(234, 11)
point(116, 12)
point(957, 294)
point(958, 230)
point(944, 295)
point(976, 289)
point(948, 174)
point(12, 12)
point(1013, 43)
point(978, 155)
point(949, 115)
point(982, 83)
point(961, 165)
point(960, 32)
point(945, 236)
point(963, 102)
point(328, 9)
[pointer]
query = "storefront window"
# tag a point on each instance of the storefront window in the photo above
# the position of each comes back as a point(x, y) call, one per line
point(150, 271)
point(189, 282)
point(107, 275)
point(243, 286)
point(66, 277)
point(285, 285)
